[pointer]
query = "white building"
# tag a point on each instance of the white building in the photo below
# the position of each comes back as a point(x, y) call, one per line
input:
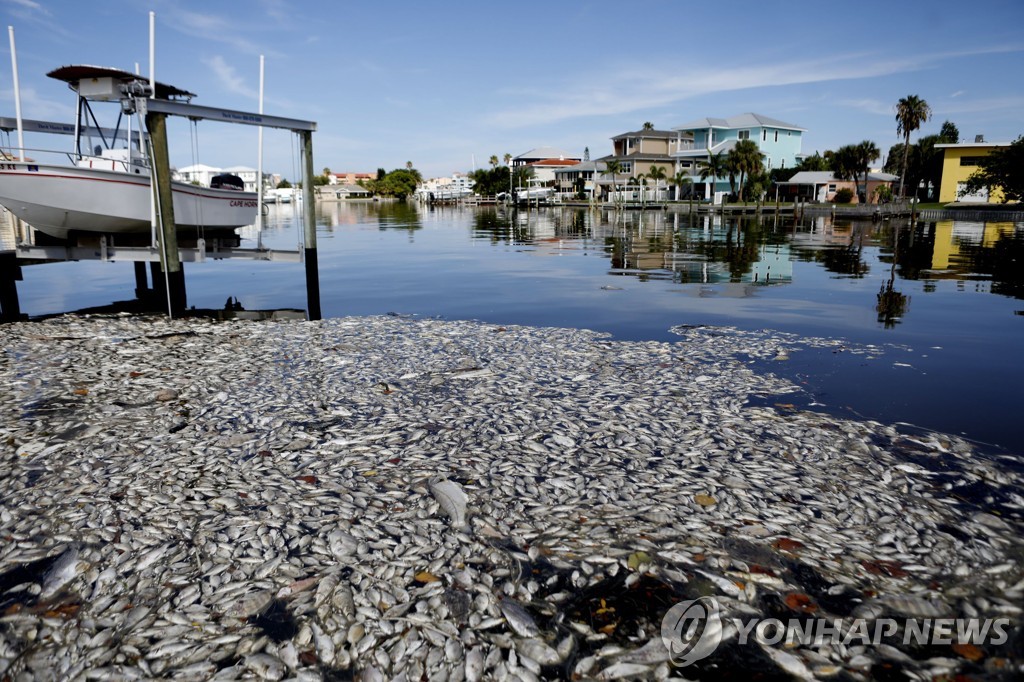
point(203, 174)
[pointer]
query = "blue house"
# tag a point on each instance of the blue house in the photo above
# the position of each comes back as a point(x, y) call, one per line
point(780, 143)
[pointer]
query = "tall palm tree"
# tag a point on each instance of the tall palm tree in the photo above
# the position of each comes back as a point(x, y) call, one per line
point(508, 158)
point(867, 151)
point(613, 167)
point(911, 112)
point(712, 168)
point(657, 174)
point(680, 180)
point(746, 159)
point(493, 161)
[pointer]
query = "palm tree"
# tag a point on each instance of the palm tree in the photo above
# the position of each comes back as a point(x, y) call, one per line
point(911, 112)
point(648, 125)
point(745, 158)
point(657, 174)
point(712, 168)
point(508, 158)
point(613, 167)
point(493, 161)
point(680, 180)
point(867, 151)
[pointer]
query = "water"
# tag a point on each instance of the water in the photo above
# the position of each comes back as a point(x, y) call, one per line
point(944, 298)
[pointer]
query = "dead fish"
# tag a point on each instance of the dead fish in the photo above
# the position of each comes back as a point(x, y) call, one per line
point(518, 618)
point(453, 500)
point(63, 571)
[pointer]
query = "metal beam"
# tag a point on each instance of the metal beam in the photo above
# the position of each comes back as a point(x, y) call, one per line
point(8, 124)
point(160, 106)
point(146, 254)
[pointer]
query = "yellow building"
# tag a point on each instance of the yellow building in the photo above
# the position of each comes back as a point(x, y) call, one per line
point(959, 161)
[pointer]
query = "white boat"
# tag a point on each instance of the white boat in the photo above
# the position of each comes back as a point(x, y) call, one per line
point(109, 190)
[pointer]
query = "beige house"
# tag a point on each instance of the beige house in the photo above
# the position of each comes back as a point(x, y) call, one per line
point(639, 151)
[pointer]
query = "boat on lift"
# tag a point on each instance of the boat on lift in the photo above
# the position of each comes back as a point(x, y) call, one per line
point(106, 188)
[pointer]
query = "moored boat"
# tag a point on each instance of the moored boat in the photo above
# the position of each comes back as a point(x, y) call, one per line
point(110, 189)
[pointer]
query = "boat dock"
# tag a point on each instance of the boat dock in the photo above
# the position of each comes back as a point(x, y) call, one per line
point(21, 246)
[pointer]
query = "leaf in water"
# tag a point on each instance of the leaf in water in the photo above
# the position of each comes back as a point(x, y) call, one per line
point(787, 544)
point(637, 558)
point(426, 577)
point(369, 473)
point(884, 567)
point(969, 651)
point(800, 602)
point(308, 479)
point(704, 500)
point(81, 391)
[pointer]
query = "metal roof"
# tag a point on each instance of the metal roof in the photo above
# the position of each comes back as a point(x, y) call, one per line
point(74, 73)
point(748, 120)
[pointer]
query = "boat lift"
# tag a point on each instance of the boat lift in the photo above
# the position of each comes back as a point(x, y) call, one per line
point(136, 99)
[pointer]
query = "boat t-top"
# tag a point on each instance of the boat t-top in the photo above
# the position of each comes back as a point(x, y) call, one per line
point(106, 186)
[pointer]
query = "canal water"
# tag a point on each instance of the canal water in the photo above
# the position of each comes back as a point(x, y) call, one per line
point(943, 301)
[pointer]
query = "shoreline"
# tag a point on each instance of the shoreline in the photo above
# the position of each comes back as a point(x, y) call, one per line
point(255, 498)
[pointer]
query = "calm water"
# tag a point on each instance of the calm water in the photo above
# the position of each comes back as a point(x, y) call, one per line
point(947, 294)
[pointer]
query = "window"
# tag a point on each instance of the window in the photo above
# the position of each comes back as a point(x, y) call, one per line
point(776, 135)
point(831, 188)
point(743, 135)
point(971, 160)
point(627, 166)
point(764, 135)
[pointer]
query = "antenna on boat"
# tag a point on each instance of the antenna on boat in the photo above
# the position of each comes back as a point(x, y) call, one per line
point(17, 95)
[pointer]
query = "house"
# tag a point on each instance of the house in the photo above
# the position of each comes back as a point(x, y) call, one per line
point(780, 143)
point(349, 178)
point(198, 174)
point(569, 180)
point(639, 151)
point(545, 161)
point(247, 174)
point(959, 161)
point(821, 186)
point(202, 174)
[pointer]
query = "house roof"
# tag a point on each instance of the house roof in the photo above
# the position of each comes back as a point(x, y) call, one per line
point(596, 165)
point(239, 169)
point(971, 145)
point(658, 134)
point(546, 153)
point(199, 168)
point(824, 177)
point(558, 163)
point(748, 120)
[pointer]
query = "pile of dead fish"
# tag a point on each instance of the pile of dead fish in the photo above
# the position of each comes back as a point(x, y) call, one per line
point(389, 498)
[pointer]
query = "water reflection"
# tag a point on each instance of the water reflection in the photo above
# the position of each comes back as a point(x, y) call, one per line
point(715, 249)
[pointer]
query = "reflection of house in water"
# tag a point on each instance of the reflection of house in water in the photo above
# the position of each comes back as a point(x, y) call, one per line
point(956, 241)
point(704, 252)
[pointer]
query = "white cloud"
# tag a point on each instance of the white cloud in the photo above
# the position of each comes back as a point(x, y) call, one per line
point(871, 106)
point(628, 89)
point(229, 78)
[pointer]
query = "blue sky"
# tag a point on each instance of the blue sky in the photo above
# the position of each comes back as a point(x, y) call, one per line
point(440, 84)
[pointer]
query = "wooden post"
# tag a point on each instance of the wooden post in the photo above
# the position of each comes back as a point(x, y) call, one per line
point(141, 283)
point(156, 124)
point(309, 223)
point(10, 273)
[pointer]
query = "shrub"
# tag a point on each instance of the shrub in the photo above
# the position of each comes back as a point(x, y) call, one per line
point(844, 196)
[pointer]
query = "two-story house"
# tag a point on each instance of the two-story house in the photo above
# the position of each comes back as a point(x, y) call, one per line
point(959, 161)
point(545, 161)
point(696, 141)
point(638, 152)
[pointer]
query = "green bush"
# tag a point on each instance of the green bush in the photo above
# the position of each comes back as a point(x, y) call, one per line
point(844, 196)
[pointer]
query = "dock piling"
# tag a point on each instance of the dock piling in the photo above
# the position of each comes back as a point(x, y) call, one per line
point(309, 225)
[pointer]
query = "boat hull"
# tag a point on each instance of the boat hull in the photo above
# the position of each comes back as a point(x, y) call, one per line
point(59, 199)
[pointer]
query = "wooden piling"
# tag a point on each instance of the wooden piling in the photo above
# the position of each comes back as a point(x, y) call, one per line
point(156, 124)
point(309, 254)
point(10, 273)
